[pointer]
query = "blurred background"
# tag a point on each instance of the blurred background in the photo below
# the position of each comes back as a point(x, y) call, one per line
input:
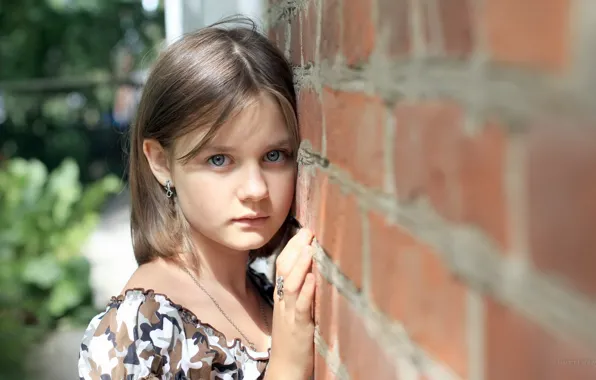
point(71, 72)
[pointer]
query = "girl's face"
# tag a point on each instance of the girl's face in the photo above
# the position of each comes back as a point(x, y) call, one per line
point(238, 190)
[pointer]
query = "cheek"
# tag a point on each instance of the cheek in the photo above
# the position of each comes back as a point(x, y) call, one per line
point(282, 192)
point(200, 195)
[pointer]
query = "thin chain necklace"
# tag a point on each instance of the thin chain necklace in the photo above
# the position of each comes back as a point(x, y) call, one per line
point(262, 310)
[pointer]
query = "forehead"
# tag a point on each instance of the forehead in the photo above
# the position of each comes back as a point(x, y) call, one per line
point(260, 123)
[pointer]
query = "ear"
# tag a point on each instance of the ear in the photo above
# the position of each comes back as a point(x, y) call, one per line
point(158, 160)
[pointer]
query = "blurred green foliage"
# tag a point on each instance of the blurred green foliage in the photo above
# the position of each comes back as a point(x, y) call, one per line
point(61, 153)
point(62, 62)
point(52, 38)
point(45, 220)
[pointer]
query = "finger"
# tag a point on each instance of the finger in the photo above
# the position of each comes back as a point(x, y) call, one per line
point(288, 256)
point(305, 299)
point(295, 280)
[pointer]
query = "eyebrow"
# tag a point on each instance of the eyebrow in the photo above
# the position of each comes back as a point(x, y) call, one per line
point(223, 148)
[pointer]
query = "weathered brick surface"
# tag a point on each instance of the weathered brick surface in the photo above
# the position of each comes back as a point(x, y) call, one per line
point(358, 350)
point(296, 41)
point(342, 234)
point(532, 32)
point(394, 26)
point(357, 150)
point(330, 28)
point(310, 114)
point(411, 285)
point(456, 35)
point(453, 187)
point(518, 349)
point(358, 32)
point(562, 207)
point(309, 31)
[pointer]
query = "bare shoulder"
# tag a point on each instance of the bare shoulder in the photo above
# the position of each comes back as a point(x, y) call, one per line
point(154, 275)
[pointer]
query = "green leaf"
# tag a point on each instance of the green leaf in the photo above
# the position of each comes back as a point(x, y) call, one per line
point(64, 185)
point(95, 194)
point(43, 272)
point(68, 244)
point(78, 270)
point(64, 296)
point(36, 178)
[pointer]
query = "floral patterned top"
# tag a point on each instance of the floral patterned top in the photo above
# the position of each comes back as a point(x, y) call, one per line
point(143, 335)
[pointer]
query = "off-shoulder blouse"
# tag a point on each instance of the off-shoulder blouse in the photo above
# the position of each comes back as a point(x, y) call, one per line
point(143, 335)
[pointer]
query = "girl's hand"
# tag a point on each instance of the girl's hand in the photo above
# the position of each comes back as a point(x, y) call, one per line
point(292, 336)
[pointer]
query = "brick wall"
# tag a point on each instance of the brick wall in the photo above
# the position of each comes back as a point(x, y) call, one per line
point(449, 171)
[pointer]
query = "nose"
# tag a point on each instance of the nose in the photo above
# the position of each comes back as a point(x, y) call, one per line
point(254, 186)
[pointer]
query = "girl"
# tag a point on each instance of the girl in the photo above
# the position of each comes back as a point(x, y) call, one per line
point(212, 178)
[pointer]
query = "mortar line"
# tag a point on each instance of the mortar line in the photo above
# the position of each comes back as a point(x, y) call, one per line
point(476, 334)
point(511, 94)
point(332, 359)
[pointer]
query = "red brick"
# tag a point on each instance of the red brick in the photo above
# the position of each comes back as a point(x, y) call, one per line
point(319, 299)
point(322, 371)
point(412, 285)
point(303, 193)
point(355, 132)
point(330, 29)
point(309, 32)
point(277, 34)
point(518, 349)
point(562, 210)
point(311, 117)
point(358, 32)
point(320, 367)
point(409, 177)
point(272, 34)
point(308, 197)
point(344, 328)
point(481, 162)
point(462, 175)
point(424, 151)
point(455, 26)
point(326, 311)
point(531, 32)
point(295, 41)
point(394, 25)
point(360, 352)
point(322, 184)
point(342, 234)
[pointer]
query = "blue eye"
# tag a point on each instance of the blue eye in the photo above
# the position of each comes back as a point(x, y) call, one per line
point(275, 156)
point(217, 160)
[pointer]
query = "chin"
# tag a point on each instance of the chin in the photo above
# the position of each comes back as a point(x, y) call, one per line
point(247, 241)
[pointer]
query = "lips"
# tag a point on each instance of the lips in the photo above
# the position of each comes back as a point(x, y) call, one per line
point(251, 221)
point(251, 218)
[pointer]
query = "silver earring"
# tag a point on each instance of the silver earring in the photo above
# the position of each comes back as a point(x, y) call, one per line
point(168, 187)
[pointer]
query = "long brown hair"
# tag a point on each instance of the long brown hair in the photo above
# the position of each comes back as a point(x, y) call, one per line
point(199, 81)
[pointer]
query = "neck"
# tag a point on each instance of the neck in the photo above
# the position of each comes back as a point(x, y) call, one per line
point(222, 265)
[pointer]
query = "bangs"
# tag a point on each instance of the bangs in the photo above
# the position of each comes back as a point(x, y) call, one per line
point(225, 109)
point(217, 114)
